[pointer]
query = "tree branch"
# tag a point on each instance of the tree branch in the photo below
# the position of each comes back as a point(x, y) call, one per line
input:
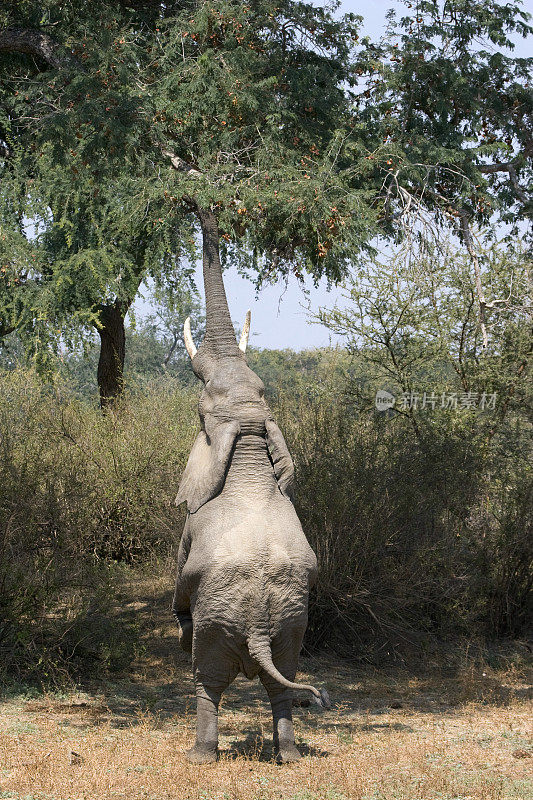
point(175, 342)
point(461, 369)
point(181, 165)
point(510, 168)
point(38, 44)
point(491, 168)
point(516, 186)
point(469, 243)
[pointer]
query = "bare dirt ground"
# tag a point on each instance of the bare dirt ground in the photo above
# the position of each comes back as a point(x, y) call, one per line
point(428, 732)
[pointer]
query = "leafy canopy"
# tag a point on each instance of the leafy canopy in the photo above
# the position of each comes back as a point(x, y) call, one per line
point(252, 97)
point(447, 108)
point(307, 142)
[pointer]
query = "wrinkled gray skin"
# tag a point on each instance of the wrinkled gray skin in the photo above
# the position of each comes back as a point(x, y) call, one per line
point(244, 564)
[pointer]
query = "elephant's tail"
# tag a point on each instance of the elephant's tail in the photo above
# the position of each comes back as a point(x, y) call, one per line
point(259, 649)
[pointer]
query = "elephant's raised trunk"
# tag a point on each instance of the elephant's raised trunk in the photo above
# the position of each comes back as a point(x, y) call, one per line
point(219, 341)
point(219, 334)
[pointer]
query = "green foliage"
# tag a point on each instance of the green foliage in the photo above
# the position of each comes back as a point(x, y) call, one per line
point(413, 324)
point(154, 347)
point(251, 97)
point(413, 537)
point(92, 237)
point(435, 487)
point(150, 355)
point(149, 345)
point(306, 141)
point(171, 304)
point(447, 108)
point(286, 372)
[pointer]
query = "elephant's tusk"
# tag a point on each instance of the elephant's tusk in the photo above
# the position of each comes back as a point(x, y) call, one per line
point(187, 336)
point(245, 331)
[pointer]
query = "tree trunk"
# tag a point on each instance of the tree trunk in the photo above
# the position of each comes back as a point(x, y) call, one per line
point(110, 375)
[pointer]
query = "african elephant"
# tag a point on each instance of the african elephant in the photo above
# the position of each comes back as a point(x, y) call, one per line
point(244, 564)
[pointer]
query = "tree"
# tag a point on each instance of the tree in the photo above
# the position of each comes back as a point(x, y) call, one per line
point(448, 110)
point(411, 321)
point(459, 430)
point(172, 303)
point(80, 263)
point(266, 127)
point(247, 104)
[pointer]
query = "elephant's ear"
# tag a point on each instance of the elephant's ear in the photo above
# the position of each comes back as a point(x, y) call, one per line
point(208, 462)
point(281, 459)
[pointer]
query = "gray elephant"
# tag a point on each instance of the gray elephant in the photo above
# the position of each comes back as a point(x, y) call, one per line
point(244, 565)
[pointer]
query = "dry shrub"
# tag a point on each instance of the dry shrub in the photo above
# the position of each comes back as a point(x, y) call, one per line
point(82, 494)
point(416, 532)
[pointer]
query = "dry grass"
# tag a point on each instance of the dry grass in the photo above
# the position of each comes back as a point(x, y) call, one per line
point(459, 733)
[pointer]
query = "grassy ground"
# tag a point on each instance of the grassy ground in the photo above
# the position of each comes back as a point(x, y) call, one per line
point(428, 732)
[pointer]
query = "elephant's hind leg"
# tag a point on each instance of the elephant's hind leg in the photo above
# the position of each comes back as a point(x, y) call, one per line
point(281, 702)
point(205, 749)
point(212, 675)
point(185, 629)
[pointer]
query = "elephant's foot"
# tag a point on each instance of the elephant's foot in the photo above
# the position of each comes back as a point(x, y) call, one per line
point(185, 635)
point(287, 753)
point(202, 754)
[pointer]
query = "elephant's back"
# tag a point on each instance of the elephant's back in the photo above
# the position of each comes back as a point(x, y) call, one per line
point(226, 534)
point(239, 601)
point(252, 563)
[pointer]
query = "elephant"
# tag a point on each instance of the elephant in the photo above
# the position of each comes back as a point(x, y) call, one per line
point(245, 566)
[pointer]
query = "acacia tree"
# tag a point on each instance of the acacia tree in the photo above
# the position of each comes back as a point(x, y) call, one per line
point(171, 304)
point(92, 238)
point(453, 108)
point(266, 126)
point(232, 116)
point(412, 319)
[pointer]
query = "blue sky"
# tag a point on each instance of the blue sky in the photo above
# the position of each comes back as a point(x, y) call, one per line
point(279, 313)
